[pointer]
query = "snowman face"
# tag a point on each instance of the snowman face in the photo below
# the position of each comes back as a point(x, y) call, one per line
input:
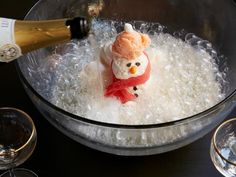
point(124, 69)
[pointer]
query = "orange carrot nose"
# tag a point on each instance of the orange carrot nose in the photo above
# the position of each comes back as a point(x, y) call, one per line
point(133, 70)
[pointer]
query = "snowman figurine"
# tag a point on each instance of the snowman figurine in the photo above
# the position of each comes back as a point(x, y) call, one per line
point(129, 64)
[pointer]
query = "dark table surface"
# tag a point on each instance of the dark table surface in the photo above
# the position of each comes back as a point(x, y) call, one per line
point(58, 156)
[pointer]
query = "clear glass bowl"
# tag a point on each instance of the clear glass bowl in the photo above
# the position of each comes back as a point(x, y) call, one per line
point(211, 20)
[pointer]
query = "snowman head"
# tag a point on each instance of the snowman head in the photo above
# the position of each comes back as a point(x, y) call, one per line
point(124, 69)
point(128, 57)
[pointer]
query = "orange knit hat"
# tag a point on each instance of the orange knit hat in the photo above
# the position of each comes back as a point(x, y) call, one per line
point(130, 44)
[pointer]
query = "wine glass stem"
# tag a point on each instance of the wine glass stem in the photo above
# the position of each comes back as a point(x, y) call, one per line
point(11, 172)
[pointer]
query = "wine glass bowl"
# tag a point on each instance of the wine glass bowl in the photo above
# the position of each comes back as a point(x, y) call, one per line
point(223, 148)
point(17, 137)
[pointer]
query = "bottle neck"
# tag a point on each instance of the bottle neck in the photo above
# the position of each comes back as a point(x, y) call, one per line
point(20, 37)
point(31, 35)
point(79, 27)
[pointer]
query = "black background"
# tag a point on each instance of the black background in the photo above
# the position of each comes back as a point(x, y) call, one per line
point(58, 156)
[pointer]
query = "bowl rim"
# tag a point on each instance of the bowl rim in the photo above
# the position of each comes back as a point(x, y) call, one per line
point(113, 125)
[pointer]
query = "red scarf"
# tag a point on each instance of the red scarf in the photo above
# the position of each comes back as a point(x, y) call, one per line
point(118, 87)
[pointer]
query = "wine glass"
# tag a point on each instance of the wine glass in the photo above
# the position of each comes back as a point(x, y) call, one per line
point(17, 141)
point(223, 148)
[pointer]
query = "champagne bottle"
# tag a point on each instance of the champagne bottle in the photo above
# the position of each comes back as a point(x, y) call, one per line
point(19, 37)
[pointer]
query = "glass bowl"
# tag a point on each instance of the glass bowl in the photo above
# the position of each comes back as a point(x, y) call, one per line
point(211, 20)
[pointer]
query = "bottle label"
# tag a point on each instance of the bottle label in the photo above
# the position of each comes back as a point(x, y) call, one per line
point(9, 50)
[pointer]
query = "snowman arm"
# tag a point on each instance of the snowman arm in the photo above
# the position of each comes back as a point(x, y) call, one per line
point(106, 54)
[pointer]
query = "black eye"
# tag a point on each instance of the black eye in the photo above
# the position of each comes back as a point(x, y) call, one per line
point(128, 65)
point(137, 64)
